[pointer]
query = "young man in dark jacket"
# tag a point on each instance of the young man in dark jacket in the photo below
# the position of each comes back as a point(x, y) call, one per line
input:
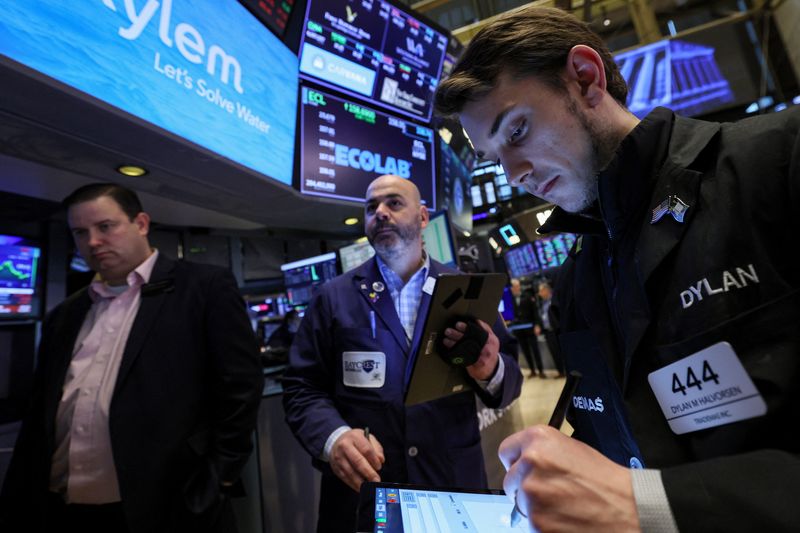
point(678, 304)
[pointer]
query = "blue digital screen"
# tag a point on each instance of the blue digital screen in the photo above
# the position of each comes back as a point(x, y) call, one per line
point(206, 71)
point(693, 75)
point(552, 251)
point(345, 146)
point(374, 50)
point(521, 261)
point(18, 274)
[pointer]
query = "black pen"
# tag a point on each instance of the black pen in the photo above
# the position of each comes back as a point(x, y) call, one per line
point(556, 421)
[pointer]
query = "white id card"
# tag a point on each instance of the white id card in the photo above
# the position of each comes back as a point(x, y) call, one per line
point(430, 283)
point(366, 370)
point(706, 389)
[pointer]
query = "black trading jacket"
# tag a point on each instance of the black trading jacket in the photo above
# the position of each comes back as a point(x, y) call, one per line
point(637, 295)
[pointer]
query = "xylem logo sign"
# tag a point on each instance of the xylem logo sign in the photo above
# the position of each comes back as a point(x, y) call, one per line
point(184, 37)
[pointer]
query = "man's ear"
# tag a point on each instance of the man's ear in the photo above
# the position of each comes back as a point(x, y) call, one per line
point(424, 216)
point(585, 67)
point(142, 221)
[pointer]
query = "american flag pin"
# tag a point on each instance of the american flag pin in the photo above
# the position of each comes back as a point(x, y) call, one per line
point(672, 205)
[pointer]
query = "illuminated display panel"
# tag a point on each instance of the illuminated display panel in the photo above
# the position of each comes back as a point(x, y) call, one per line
point(374, 50)
point(437, 237)
point(303, 277)
point(552, 251)
point(521, 261)
point(695, 74)
point(354, 255)
point(344, 146)
point(19, 268)
point(455, 179)
point(273, 13)
point(208, 72)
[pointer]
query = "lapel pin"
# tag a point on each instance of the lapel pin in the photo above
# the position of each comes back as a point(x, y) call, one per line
point(363, 286)
point(378, 286)
point(672, 205)
point(373, 297)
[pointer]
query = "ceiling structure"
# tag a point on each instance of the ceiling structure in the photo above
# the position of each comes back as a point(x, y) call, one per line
point(53, 140)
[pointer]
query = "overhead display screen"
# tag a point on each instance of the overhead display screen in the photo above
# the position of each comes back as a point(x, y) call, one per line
point(344, 146)
point(699, 73)
point(209, 72)
point(273, 13)
point(455, 180)
point(373, 50)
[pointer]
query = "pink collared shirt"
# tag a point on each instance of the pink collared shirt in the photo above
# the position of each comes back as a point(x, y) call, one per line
point(82, 464)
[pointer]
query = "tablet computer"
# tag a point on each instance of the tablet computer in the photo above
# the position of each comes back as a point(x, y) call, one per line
point(454, 295)
point(401, 508)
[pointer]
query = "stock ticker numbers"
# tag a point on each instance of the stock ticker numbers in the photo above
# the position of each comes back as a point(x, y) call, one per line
point(346, 145)
point(373, 50)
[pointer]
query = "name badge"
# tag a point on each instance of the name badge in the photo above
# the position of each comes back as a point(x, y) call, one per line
point(366, 370)
point(706, 389)
point(430, 283)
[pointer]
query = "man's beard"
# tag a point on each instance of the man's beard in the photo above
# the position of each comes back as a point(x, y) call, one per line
point(392, 248)
point(604, 144)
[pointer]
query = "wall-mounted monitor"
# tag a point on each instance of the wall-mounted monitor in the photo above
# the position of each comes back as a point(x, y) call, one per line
point(354, 255)
point(302, 277)
point(208, 72)
point(455, 180)
point(521, 261)
point(373, 50)
point(19, 271)
point(345, 145)
point(552, 251)
point(273, 13)
point(695, 74)
point(438, 239)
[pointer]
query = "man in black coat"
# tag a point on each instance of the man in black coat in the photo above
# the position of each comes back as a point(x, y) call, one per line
point(526, 314)
point(146, 392)
point(679, 301)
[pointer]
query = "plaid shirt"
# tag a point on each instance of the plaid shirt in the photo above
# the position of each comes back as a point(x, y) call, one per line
point(406, 297)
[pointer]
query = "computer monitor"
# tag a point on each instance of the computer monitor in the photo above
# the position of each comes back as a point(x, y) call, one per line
point(303, 277)
point(552, 251)
point(19, 272)
point(354, 255)
point(438, 239)
point(344, 146)
point(521, 261)
point(376, 51)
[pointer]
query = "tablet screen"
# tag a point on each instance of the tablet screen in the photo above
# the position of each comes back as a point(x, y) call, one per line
point(410, 509)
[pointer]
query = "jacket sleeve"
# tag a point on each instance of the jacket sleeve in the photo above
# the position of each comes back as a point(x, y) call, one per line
point(749, 492)
point(512, 376)
point(308, 383)
point(237, 377)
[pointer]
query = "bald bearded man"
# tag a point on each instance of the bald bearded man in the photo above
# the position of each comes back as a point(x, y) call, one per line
point(348, 363)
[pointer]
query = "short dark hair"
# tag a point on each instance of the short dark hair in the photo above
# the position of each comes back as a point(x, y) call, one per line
point(127, 200)
point(532, 41)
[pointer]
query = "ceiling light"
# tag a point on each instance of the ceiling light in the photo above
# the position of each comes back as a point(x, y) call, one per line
point(132, 170)
point(361, 240)
point(350, 221)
